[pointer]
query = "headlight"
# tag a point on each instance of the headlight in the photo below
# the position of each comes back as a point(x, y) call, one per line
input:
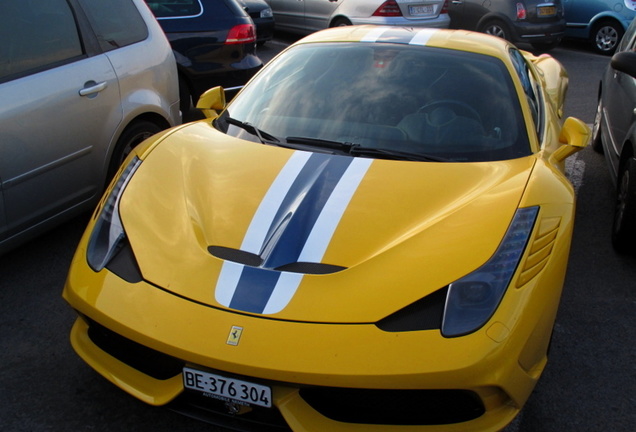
point(266, 13)
point(473, 299)
point(108, 231)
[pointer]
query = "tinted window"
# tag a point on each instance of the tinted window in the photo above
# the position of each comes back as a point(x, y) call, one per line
point(117, 23)
point(34, 39)
point(175, 8)
point(454, 105)
point(530, 88)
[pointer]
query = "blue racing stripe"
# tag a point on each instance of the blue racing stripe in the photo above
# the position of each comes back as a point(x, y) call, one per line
point(301, 207)
point(254, 289)
point(290, 228)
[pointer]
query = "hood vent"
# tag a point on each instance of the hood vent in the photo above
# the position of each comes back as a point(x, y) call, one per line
point(252, 260)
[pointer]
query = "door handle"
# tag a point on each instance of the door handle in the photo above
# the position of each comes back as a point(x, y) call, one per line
point(91, 88)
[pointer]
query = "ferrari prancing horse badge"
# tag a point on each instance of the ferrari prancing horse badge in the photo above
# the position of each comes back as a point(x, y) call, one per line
point(235, 335)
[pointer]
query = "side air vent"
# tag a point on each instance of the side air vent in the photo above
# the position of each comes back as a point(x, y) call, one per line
point(252, 260)
point(540, 250)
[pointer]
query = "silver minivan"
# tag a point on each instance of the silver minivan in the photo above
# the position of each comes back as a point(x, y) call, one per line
point(81, 83)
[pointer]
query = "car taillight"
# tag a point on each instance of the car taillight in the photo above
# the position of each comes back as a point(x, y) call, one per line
point(521, 11)
point(242, 33)
point(444, 7)
point(388, 9)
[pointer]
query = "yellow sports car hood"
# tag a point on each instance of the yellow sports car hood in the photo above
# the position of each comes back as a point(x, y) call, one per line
point(309, 236)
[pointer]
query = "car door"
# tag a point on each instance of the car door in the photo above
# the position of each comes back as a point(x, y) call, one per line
point(318, 13)
point(289, 14)
point(579, 13)
point(619, 103)
point(465, 14)
point(59, 102)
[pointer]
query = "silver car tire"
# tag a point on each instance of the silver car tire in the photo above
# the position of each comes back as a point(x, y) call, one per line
point(624, 226)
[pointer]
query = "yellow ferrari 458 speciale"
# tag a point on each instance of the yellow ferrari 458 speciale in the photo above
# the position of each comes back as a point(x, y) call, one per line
point(372, 235)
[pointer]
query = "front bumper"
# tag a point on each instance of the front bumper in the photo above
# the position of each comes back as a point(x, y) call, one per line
point(339, 359)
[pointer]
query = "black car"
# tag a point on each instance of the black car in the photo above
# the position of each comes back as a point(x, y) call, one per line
point(538, 22)
point(614, 134)
point(214, 42)
point(263, 18)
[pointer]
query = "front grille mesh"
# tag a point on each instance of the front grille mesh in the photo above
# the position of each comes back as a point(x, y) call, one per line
point(395, 407)
point(152, 363)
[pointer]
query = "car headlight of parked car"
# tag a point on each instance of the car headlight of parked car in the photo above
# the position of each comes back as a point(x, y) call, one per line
point(267, 13)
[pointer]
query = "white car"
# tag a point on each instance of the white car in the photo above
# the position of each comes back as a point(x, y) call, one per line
point(307, 16)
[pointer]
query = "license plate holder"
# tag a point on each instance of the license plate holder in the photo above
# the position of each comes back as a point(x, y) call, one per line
point(227, 389)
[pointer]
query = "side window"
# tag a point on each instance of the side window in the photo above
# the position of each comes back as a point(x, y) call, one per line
point(530, 88)
point(34, 39)
point(117, 23)
point(627, 43)
point(175, 8)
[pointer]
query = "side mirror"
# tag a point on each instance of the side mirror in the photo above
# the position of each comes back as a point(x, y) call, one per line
point(212, 102)
point(625, 61)
point(575, 135)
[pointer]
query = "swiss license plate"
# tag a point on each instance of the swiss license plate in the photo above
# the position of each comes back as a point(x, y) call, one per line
point(228, 389)
point(546, 11)
point(421, 10)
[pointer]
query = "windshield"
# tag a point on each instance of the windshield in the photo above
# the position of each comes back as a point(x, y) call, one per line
point(446, 104)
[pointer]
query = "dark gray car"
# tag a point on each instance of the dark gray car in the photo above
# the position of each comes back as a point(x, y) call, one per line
point(615, 135)
point(538, 22)
point(81, 83)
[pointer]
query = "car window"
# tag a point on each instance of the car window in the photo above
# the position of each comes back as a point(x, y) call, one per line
point(117, 23)
point(629, 38)
point(530, 88)
point(455, 105)
point(36, 38)
point(175, 8)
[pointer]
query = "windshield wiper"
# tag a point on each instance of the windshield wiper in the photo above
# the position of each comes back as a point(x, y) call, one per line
point(344, 147)
point(394, 154)
point(263, 136)
point(354, 149)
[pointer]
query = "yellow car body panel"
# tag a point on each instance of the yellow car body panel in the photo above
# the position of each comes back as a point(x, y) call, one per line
point(418, 206)
point(409, 230)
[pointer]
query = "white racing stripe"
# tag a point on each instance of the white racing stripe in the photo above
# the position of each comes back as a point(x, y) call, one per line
point(374, 34)
point(321, 234)
point(422, 37)
point(255, 236)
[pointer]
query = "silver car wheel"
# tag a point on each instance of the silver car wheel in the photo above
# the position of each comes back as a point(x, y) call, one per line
point(496, 28)
point(606, 38)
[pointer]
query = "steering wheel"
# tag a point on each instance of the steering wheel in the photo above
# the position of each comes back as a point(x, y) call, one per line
point(458, 107)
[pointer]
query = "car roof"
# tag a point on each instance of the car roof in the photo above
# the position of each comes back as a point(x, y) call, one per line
point(462, 40)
